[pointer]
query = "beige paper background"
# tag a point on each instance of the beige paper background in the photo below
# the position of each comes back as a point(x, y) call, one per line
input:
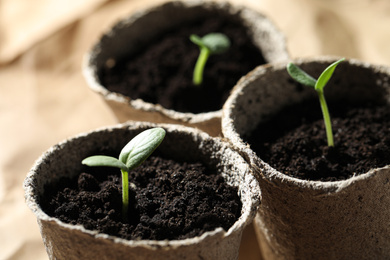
point(44, 98)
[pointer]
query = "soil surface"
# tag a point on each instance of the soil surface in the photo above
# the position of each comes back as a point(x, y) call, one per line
point(168, 200)
point(162, 73)
point(294, 142)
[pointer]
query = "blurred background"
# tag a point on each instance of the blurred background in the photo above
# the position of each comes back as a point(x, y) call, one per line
point(44, 98)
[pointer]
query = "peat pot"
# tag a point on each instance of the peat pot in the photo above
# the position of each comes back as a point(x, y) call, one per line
point(301, 218)
point(131, 35)
point(67, 241)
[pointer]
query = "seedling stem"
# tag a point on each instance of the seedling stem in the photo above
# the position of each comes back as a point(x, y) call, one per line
point(302, 77)
point(132, 155)
point(212, 43)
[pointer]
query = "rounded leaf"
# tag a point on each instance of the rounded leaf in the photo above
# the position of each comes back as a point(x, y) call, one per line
point(300, 76)
point(102, 160)
point(216, 42)
point(141, 147)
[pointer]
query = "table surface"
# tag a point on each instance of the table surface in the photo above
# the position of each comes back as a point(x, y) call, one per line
point(45, 99)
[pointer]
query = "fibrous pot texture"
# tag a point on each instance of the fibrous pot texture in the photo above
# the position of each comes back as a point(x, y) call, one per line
point(65, 241)
point(305, 219)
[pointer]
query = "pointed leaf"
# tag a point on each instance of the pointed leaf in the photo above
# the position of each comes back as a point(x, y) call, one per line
point(197, 40)
point(300, 76)
point(102, 160)
point(326, 75)
point(141, 147)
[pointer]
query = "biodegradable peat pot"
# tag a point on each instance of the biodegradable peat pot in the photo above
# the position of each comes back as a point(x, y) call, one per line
point(301, 218)
point(66, 241)
point(132, 37)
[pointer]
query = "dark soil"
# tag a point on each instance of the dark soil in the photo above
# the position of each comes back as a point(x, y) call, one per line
point(294, 142)
point(162, 73)
point(168, 200)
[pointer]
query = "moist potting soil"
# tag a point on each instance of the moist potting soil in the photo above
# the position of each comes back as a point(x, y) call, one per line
point(161, 73)
point(168, 200)
point(294, 141)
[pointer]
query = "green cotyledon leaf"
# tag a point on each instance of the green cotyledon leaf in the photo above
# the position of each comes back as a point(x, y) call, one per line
point(326, 75)
point(300, 76)
point(141, 147)
point(102, 160)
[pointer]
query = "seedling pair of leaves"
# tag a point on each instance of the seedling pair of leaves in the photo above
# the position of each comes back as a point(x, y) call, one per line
point(132, 155)
point(212, 43)
point(302, 77)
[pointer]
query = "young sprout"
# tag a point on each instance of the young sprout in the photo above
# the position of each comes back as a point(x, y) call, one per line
point(212, 43)
point(302, 77)
point(132, 155)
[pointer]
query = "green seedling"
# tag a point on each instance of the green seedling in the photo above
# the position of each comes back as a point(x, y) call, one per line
point(302, 77)
point(132, 155)
point(212, 43)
